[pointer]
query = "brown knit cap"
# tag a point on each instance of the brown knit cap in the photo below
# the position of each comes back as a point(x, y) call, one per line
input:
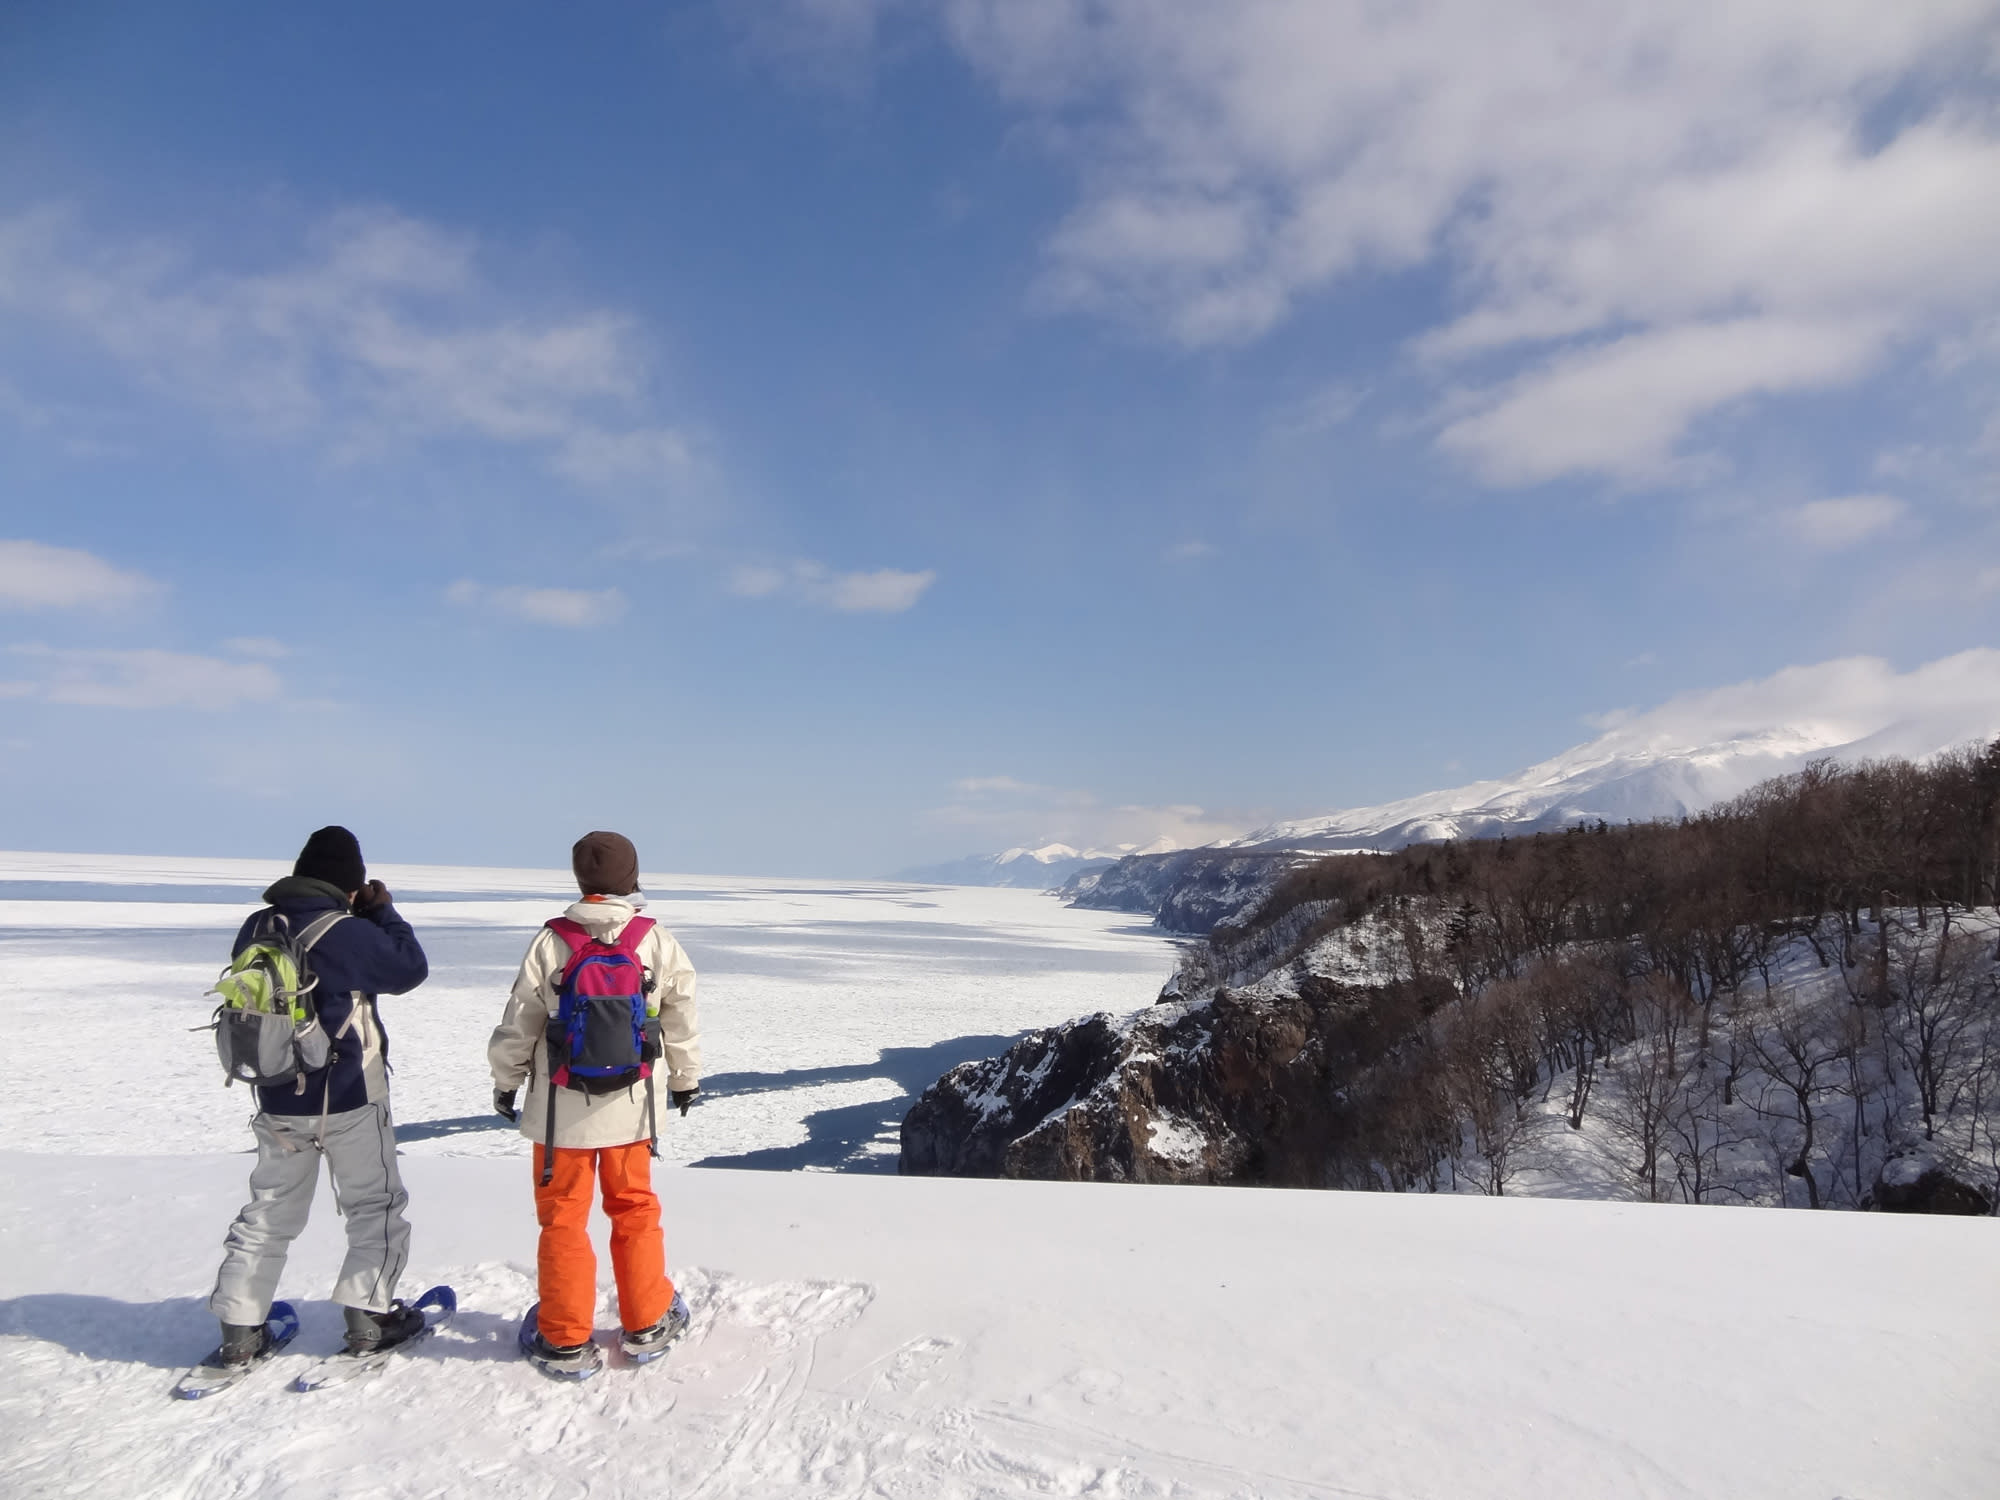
point(606, 864)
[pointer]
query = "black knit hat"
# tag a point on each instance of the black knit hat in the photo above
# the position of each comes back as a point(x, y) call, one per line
point(333, 855)
point(605, 864)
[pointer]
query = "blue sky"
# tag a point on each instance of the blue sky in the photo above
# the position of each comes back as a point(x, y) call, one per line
point(836, 434)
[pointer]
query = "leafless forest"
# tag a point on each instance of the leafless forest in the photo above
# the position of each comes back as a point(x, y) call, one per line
point(1787, 1000)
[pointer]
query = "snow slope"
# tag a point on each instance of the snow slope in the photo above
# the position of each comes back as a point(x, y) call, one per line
point(867, 1336)
point(1691, 753)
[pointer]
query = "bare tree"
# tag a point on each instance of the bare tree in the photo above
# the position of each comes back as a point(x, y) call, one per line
point(1935, 1000)
point(1797, 1043)
point(1648, 1077)
point(1698, 1132)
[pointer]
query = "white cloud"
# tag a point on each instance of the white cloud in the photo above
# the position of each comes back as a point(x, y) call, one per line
point(573, 609)
point(139, 679)
point(377, 330)
point(259, 646)
point(887, 591)
point(1191, 551)
point(1857, 700)
point(883, 591)
point(36, 576)
point(1829, 525)
point(1621, 407)
point(1652, 211)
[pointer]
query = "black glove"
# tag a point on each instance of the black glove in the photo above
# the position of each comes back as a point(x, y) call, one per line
point(503, 1101)
point(683, 1098)
point(371, 897)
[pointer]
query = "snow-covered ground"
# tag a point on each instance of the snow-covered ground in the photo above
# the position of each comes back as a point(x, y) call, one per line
point(873, 1336)
point(862, 1335)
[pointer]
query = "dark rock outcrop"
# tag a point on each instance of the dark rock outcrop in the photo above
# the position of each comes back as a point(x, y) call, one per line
point(1915, 1179)
point(1237, 1088)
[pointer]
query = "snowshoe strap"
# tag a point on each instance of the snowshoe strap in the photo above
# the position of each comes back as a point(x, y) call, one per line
point(549, 1145)
point(652, 1119)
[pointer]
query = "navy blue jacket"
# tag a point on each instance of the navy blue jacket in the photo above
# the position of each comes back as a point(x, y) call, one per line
point(372, 953)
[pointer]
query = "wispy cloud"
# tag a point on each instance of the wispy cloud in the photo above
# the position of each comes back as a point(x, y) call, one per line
point(882, 591)
point(374, 330)
point(1650, 213)
point(260, 646)
point(1851, 700)
point(35, 576)
point(137, 679)
point(1190, 551)
point(1830, 525)
point(573, 609)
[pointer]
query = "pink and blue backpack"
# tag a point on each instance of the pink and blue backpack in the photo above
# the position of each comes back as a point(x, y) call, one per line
point(604, 1033)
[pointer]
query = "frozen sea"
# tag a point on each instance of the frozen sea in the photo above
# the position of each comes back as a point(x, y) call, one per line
point(826, 1007)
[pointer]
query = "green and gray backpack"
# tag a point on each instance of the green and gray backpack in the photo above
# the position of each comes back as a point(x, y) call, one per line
point(267, 1027)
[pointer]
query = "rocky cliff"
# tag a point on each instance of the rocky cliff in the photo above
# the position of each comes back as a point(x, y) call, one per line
point(1235, 1087)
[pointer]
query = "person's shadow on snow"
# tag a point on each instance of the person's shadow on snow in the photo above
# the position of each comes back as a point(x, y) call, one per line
point(168, 1335)
point(181, 1331)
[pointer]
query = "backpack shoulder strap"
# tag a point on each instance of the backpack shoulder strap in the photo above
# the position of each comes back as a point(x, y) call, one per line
point(634, 934)
point(573, 934)
point(318, 928)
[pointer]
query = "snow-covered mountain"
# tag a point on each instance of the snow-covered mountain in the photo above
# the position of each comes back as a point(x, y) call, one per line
point(1690, 753)
point(1681, 757)
point(1040, 869)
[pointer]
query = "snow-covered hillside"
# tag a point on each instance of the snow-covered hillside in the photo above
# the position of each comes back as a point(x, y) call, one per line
point(1683, 756)
point(1690, 753)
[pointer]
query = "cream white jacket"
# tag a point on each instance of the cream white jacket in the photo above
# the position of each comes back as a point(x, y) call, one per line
point(519, 1049)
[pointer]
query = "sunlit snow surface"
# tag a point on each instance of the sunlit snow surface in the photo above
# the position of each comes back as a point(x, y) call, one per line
point(859, 1335)
point(825, 1007)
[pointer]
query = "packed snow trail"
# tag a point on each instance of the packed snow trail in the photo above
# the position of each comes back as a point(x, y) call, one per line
point(867, 1336)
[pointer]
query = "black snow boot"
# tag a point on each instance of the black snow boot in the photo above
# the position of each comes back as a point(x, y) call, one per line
point(242, 1342)
point(369, 1331)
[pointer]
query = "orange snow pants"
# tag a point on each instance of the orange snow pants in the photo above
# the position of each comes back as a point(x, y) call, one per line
point(565, 1262)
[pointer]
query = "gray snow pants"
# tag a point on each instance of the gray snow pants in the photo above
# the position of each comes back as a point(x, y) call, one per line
point(360, 1151)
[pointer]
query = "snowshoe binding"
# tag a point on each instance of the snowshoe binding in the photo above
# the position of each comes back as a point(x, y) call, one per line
point(242, 1351)
point(373, 1339)
point(558, 1362)
point(648, 1344)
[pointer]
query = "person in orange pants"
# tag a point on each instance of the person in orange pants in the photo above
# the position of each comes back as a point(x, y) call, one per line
point(594, 1104)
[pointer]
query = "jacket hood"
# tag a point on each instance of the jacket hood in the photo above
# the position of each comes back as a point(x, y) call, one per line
point(305, 890)
point(607, 914)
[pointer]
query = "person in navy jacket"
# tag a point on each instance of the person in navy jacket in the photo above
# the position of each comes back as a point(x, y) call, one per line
point(340, 1112)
